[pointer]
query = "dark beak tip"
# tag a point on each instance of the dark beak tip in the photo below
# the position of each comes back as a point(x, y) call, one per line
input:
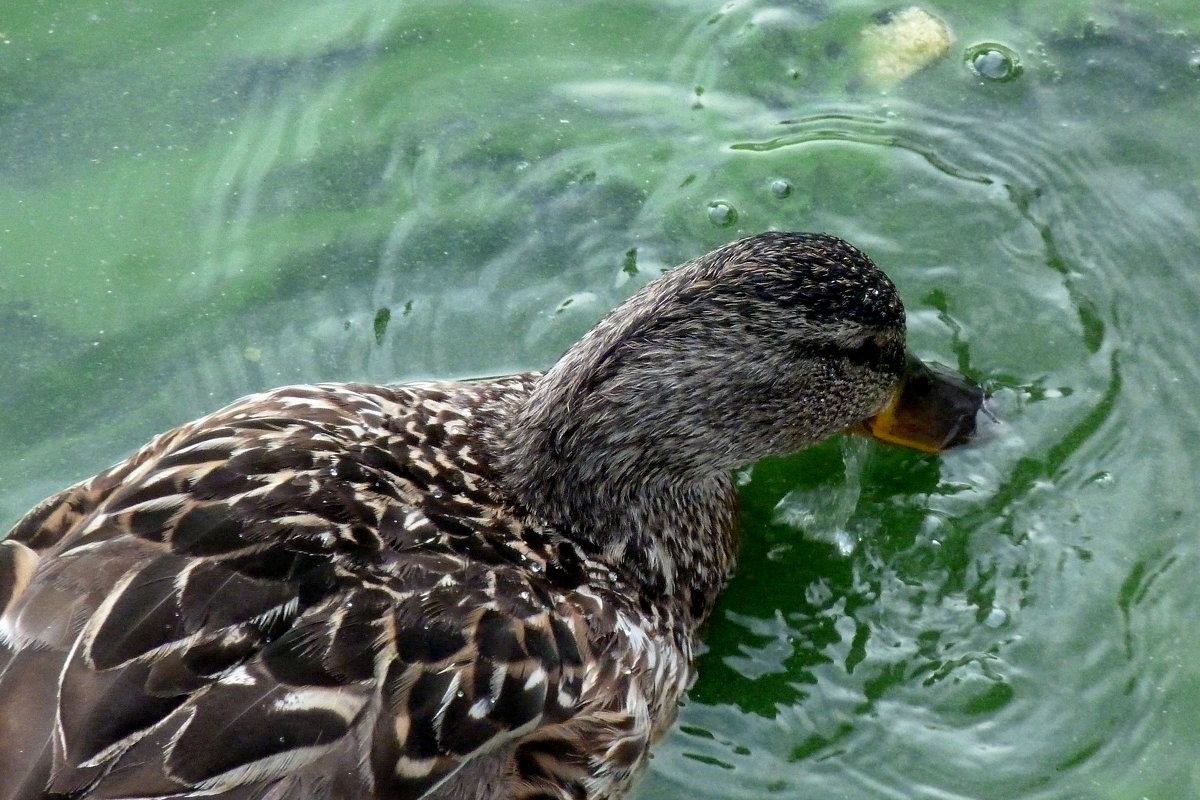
point(962, 429)
point(935, 409)
point(960, 402)
point(982, 425)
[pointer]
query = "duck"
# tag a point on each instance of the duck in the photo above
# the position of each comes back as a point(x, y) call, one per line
point(473, 589)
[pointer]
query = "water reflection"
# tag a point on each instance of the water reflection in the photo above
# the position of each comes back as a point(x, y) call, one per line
point(238, 200)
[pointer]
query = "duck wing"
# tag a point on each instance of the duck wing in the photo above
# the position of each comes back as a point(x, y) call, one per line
point(281, 600)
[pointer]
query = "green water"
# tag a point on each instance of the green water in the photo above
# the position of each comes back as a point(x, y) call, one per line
point(200, 199)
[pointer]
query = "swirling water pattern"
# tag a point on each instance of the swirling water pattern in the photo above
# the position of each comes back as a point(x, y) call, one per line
point(202, 202)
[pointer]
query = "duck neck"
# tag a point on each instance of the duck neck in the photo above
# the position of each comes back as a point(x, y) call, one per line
point(604, 474)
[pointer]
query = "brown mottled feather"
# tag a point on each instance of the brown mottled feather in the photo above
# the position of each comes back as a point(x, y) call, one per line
point(302, 578)
point(458, 590)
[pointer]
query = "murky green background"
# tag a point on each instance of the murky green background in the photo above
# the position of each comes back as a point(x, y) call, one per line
point(202, 199)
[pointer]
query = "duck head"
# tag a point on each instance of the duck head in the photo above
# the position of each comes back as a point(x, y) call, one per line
point(761, 347)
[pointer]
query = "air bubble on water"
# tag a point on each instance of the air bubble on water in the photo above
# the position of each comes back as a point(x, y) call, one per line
point(993, 62)
point(722, 214)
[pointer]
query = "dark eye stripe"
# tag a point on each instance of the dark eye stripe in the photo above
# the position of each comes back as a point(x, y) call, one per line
point(886, 356)
point(869, 352)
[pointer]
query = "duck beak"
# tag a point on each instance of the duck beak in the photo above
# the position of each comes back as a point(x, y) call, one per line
point(934, 408)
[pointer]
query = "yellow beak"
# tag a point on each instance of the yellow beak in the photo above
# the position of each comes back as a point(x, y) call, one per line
point(933, 408)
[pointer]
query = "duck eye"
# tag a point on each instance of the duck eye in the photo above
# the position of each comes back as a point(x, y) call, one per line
point(868, 351)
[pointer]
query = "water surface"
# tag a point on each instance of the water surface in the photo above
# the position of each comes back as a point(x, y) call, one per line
point(200, 200)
